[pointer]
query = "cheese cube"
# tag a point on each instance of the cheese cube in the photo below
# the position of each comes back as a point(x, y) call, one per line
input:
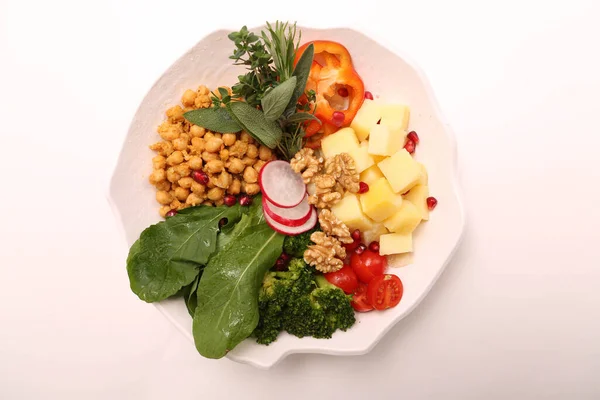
point(348, 211)
point(367, 116)
point(423, 180)
point(401, 170)
point(405, 220)
point(418, 196)
point(365, 143)
point(400, 260)
point(371, 174)
point(373, 234)
point(362, 158)
point(385, 142)
point(395, 243)
point(380, 201)
point(395, 116)
point(343, 141)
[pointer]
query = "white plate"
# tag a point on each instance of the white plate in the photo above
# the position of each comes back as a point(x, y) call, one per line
point(387, 75)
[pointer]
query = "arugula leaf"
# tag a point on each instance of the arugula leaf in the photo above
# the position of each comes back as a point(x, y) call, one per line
point(266, 132)
point(213, 119)
point(275, 101)
point(169, 255)
point(227, 310)
point(301, 72)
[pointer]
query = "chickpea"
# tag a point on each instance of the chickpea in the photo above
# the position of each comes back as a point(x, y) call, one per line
point(238, 149)
point(235, 187)
point(203, 90)
point(218, 135)
point(252, 151)
point(224, 154)
point(245, 137)
point(202, 101)
point(163, 197)
point(206, 156)
point(236, 166)
point(163, 210)
point(158, 175)
point(224, 180)
point(214, 166)
point(163, 148)
point(250, 175)
point(208, 135)
point(197, 146)
point(248, 161)
point(173, 176)
point(188, 98)
point(181, 194)
point(170, 132)
point(175, 158)
point(180, 144)
point(258, 165)
point(252, 188)
point(197, 131)
point(186, 182)
point(159, 162)
point(193, 199)
point(215, 194)
point(198, 188)
point(213, 145)
point(176, 205)
point(164, 185)
point(195, 163)
point(219, 202)
point(182, 170)
point(229, 139)
point(175, 114)
point(208, 203)
point(264, 153)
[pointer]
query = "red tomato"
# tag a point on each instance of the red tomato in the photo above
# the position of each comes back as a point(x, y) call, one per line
point(359, 299)
point(368, 265)
point(345, 279)
point(385, 291)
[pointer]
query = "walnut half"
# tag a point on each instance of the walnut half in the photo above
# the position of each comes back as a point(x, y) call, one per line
point(343, 169)
point(326, 254)
point(305, 163)
point(332, 226)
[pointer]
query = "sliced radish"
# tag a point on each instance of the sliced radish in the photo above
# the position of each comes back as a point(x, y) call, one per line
point(293, 230)
point(294, 216)
point(281, 185)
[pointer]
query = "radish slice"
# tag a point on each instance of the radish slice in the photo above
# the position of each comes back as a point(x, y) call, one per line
point(294, 216)
point(293, 230)
point(281, 185)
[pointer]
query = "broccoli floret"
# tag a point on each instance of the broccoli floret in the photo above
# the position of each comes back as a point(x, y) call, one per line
point(296, 245)
point(302, 304)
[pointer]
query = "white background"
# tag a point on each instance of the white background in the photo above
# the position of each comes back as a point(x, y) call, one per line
point(516, 315)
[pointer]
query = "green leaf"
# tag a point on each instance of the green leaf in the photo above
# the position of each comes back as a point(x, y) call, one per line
point(275, 101)
point(213, 119)
point(189, 295)
point(169, 255)
point(227, 311)
point(301, 72)
point(266, 132)
point(301, 117)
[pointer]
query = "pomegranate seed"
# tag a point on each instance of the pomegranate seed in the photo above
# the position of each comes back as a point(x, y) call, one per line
point(338, 118)
point(229, 200)
point(343, 92)
point(245, 200)
point(171, 213)
point(280, 265)
point(223, 222)
point(368, 95)
point(374, 246)
point(285, 257)
point(363, 187)
point(200, 177)
point(431, 203)
point(360, 249)
point(355, 235)
point(412, 135)
point(410, 146)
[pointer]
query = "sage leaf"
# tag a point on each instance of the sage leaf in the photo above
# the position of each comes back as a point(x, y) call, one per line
point(213, 119)
point(301, 72)
point(301, 117)
point(275, 101)
point(252, 120)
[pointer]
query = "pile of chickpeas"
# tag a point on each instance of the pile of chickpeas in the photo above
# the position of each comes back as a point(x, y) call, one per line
point(194, 166)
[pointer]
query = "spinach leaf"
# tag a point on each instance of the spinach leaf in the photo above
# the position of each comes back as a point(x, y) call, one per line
point(227, 310)
point(189, 295)
point(168, 255)
point(301, 72)
point(275, 101)
point(213, 119)
point(266, 132)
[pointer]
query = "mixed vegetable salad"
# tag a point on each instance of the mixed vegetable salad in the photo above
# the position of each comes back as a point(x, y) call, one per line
point(283, 197)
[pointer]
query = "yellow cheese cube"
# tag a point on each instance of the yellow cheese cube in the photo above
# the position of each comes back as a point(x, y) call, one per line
point(343, 141)
point(371, 174)
point(423, 180)
point(367, 116)
point(362, 158)
point(365, 143)
point(373, 234)
point(400, 260)
point(395, 243)
point(401, 170)
point(380, 201)
point(418, 196)
point(405, 220)
point(395, 116)
point(348, 211)
point(384, 142)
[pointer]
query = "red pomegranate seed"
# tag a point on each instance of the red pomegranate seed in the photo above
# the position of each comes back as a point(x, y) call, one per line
point(374, 246)
point(171, 213)
point(223, 222)
point(368, 95)
point(412, 135)
point(280, 264)
point(245, 200)
point(363, 187)
point(343, 92)
point(410, 146)
point(285, 257)
point(338, 118)
point(229, 200)
point(431, 203)
point(355, 235)
point(360, 249)
point(200, 177)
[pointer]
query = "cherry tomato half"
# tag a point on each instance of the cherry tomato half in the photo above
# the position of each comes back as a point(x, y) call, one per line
point(359, 299)
point(345, 279)
point(368, 265)
point(385, 291)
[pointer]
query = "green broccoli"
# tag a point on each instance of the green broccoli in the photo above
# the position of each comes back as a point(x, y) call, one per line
point(296, 245)
point(302, 304)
